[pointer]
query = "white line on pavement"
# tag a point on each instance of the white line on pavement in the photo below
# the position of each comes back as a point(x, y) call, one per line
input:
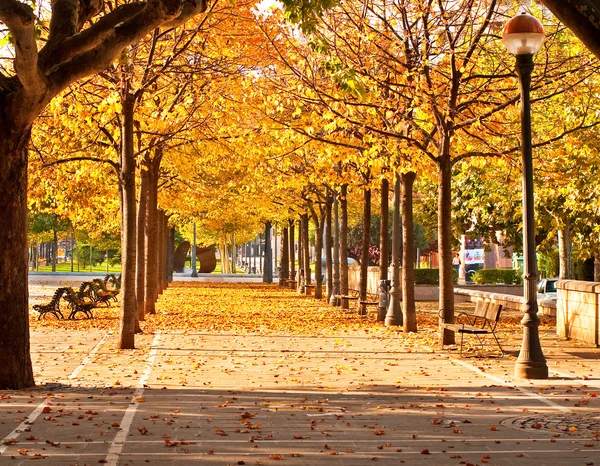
point(579, 380)
point(510, 384)
point(119, 441)
point(22, 427)
point(88, 358)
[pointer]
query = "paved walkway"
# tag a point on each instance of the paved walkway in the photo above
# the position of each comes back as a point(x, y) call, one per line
point(349, 399)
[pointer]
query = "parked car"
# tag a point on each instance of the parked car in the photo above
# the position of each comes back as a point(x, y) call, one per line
point(547, 288)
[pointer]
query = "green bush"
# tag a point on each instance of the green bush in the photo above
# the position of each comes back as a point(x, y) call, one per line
point(493, 276)
point(431, 276)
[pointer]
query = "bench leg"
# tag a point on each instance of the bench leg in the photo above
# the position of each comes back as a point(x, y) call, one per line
point(498, 343)
point(362, 310)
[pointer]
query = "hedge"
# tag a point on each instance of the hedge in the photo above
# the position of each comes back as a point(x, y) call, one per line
point(493, 276)
point(431, 276)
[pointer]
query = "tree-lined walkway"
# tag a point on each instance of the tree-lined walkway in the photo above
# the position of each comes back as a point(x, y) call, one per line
point(250, 374)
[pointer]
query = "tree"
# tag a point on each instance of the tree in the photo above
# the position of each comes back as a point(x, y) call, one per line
point(70, 52)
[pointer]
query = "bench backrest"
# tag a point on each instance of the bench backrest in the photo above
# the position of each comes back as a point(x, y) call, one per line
point(57, 295)
point(489, 312)
point(71, 296)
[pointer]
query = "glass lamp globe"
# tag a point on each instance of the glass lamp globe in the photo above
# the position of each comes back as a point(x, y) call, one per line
point(523, 34)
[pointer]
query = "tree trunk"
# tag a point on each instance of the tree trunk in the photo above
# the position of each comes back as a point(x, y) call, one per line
point(284, 264)
point(222, 247)
point(35, 258)
point(344, 245)
point(292, 259)
point(268, 263)
point(408, 259)
point(318, 221)
point(446, 302)
point(72, 249)
point(54, 248)
point(128, 240)
point(366, 240)
point(565, 252)
point(162, 247)
point(306, 250)
point(394, 312)
point(170, 254)
point(151, 237)
point(334, 300)
point(141, 257)
point(15, 362)
point(234, 249)
point(300, 283)
point(383, 240)
point(328, 246)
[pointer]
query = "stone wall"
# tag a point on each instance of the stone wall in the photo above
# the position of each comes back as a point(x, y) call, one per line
point(577, 310)
point(422, 292)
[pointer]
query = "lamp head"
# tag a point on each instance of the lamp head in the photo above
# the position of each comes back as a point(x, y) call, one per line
point(523, 34)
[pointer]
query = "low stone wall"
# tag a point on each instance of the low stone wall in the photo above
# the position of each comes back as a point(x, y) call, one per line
point(508, 301)
point(577, 310)
point(423, 292)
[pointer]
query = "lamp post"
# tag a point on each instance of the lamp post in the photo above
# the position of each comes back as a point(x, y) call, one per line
point(523, 36)
point(394, 312)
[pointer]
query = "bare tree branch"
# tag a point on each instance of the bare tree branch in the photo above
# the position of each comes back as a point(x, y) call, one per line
point(20, 20)
point(58, 51)
point(154, 14)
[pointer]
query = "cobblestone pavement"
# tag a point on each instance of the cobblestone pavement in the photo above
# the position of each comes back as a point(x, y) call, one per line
point(187, 398)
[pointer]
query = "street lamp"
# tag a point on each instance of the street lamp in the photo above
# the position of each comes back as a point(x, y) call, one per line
point(523, 36)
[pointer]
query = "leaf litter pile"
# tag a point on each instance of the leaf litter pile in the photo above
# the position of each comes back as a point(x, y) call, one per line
point(227, 323)
point(268, 309)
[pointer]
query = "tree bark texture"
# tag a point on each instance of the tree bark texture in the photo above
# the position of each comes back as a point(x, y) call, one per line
point(366, 237)
point(140, 242)
point(408, 250)
point(565, 254)
point(170, 254)
point(334, 300)
point(128, 224)
point(284, 264)
point(300, 284)
point(15, 362)
point(581, 18)
point(344, 245)
point(268, 263)
point(306, 251)
point(292, 255)
point(151, 237)
point(328, 246)
point(162, 247)
point(318, 222)
point(54, 248)
point(446, 302)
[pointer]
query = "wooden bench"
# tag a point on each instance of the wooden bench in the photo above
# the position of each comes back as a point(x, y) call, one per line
point(372, 300)
point(354, 295)
point(482, 321)
point(53, 307)
point(101, 293)
point(78, 304)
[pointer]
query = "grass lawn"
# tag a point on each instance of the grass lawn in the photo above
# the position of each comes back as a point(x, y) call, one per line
point(66, 267)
